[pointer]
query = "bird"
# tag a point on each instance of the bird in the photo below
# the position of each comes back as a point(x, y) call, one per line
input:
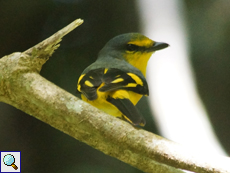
point(116, 81)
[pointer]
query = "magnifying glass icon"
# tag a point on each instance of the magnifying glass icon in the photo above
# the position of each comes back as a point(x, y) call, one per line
point(9, 160)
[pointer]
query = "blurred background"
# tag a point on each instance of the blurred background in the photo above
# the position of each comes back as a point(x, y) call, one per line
point(191, 79)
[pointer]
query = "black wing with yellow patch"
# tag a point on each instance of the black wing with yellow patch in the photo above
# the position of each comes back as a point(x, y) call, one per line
point(129, 111)
point(106, 80)
point(89, 82)
point(113, 79)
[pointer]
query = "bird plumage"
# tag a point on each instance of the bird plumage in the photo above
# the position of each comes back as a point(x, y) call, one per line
point(115, 82)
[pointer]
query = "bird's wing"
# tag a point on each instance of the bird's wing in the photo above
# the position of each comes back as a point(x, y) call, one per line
point(115, 79)
point(89, 82)
point(112, 80)
point(120, 81)
point(129, 111)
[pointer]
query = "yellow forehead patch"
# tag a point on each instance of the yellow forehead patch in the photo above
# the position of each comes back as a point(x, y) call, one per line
point(142, 42)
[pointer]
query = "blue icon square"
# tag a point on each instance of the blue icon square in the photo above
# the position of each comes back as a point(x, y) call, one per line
point(10, 161)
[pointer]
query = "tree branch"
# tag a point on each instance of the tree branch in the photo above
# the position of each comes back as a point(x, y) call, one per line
point(22, 87)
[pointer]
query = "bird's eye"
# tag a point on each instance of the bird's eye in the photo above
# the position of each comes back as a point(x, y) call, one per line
point(131, 47)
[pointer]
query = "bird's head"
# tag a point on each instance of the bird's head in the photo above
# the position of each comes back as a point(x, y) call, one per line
point(134, 48)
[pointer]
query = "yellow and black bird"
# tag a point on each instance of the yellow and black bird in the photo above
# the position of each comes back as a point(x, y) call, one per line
point(115, 82)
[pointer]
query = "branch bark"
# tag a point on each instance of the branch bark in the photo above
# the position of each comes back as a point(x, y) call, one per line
point(22, 87)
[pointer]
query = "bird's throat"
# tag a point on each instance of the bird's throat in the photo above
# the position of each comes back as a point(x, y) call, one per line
point(140, 61)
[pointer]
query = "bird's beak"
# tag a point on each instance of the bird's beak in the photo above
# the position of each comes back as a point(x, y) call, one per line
point(158, 46)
